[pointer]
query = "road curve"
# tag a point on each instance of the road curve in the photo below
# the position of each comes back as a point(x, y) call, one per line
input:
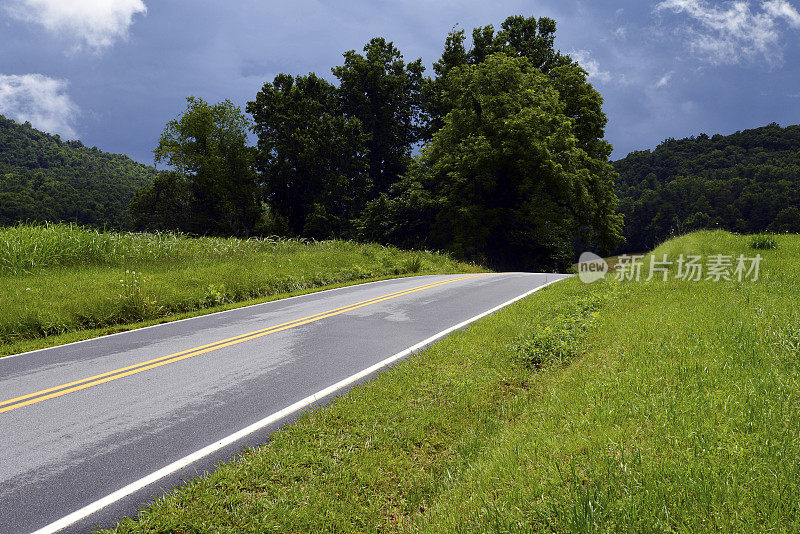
point(82, 421)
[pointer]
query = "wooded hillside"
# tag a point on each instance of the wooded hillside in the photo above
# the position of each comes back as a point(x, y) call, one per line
point(746, 182)
point(43, 178)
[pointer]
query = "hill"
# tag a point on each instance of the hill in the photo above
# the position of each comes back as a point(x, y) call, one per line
point(746, 182)
point(43, 178)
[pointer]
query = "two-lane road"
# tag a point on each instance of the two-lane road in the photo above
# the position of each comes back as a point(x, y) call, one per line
point(102, 426)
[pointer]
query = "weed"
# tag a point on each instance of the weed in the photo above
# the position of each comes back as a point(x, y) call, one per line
point(215, 295)
point(563, 337)
point(763, 242)
point(413, 264)
point(135, 303)
point(552, 344)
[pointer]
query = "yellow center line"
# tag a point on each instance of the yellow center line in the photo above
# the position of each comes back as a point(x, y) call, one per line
point(169, 356)
point(57, 391)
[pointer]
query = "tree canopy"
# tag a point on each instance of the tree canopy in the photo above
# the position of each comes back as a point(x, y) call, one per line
point(514, 172)
point(533, 39)
point(504, 181)
point(311, 155)
point(206, 144)
point(384, 93)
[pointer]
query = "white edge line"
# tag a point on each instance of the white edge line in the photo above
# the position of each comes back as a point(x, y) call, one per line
point(279, 299)
point(277, 416)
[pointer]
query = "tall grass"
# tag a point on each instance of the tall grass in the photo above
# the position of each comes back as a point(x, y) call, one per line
point(60, 278)
point(25, 248)
point(682, 416)
point(763, 242)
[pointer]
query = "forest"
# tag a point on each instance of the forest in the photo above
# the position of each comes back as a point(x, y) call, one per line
point(747, 182)
point(45, 179)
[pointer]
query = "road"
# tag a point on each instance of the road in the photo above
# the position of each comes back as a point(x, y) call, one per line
point(91, 431)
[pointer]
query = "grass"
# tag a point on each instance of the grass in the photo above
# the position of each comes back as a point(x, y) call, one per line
point(60, 283)
point(763, 242)
point(616, 406)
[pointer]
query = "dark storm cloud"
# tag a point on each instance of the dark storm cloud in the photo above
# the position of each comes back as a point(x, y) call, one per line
point(131, 73)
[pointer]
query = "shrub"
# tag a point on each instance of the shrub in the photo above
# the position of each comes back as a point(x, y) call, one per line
point(413, 264)
point(551, 345)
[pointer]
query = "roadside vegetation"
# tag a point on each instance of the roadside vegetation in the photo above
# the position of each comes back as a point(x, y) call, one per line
point(510, 175)
point(56, 279)
point(615, 406)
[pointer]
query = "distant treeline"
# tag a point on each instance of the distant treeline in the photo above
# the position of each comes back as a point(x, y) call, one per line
point(43, 178)
point(513, 171)
point(746, 182)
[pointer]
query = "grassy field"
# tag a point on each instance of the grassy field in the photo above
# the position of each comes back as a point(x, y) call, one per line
point(616, 406)
point(58, 279)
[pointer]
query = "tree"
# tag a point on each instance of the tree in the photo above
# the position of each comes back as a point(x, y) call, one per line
point(505, 180)
point(167, 204)
point(787, 221)
point(384, 94)
point(434, 104)
point(312, 155)
point(208, 144)
point(532, 39)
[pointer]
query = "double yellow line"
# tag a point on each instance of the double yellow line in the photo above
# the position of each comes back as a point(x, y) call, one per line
point(77, 385)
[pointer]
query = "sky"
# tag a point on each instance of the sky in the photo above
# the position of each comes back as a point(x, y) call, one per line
point(113, 72)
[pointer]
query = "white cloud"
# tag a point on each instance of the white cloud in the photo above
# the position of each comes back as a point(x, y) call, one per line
point(782, 9)
point(620, 32)
point(664, 80)
point(96, 24)
point(591, 66)
point(41, 100)
point(733, 32)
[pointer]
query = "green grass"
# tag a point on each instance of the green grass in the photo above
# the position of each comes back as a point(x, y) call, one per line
point(763, 242)
point(60, 283)
point(617, 406)
point(683, 416)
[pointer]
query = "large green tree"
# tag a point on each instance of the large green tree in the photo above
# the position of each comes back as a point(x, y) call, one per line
point(506, 180)
point(384, 93)
point(311, 155)
point(208, 144)
point(520, 186)
point(533, 39)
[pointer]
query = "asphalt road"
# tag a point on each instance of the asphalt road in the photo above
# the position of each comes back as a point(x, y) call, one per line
point(81, 421)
